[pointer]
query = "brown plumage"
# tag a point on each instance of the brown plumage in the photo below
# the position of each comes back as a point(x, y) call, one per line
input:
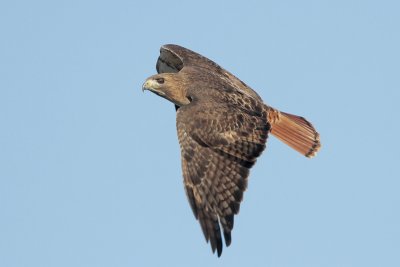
point(222, 126)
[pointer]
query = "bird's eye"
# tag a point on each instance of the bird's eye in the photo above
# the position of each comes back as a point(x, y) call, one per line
point(160, 80)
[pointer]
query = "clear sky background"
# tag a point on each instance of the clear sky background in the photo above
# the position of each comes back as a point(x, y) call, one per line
point(90, 169)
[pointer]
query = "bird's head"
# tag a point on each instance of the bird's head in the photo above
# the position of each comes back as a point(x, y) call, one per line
point(168, 85)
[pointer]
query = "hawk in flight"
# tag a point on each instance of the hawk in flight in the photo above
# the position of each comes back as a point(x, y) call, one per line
point(222, 127)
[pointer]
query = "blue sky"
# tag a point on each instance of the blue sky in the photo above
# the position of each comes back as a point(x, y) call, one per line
point(90, 166)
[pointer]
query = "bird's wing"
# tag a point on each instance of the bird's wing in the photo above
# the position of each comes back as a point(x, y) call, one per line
point(174, 57)
point(218, 147)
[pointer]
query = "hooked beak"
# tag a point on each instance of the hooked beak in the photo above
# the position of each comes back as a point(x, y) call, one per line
point(152, 86)
point(146, 85)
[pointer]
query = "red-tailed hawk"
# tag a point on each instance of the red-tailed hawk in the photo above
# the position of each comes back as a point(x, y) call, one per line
point(222, 126)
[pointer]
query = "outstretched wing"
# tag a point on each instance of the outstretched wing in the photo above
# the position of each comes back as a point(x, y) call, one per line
point(218, 147)
point(173, 58)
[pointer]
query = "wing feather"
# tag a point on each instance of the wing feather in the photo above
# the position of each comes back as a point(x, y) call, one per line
point(217, 150)
point(173, 58)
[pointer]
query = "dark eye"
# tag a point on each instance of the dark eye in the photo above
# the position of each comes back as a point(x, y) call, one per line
point(160, 80)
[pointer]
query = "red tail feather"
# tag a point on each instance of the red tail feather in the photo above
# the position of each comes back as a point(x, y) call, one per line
point(295, 131)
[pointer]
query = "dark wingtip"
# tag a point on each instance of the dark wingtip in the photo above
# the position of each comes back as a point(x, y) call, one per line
point(228, 238)
point(219, 249)
point(218, 245)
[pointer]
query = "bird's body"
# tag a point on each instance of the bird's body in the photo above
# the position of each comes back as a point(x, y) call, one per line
point(222, 127)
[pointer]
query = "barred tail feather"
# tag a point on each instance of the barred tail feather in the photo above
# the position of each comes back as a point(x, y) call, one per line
point(295, 131)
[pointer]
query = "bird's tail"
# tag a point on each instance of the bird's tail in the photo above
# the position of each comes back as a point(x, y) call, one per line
point(295, 131)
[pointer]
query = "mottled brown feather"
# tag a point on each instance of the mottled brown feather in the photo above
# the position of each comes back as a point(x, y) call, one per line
point(219, 144)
